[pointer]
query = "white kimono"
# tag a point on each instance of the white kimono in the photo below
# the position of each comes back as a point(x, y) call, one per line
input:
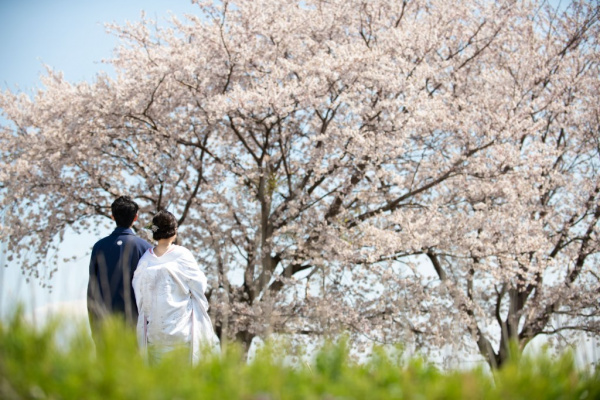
point(169, 292)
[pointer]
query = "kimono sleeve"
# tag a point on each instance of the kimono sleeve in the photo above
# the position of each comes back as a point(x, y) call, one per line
point(192, 275)
point(96, 306)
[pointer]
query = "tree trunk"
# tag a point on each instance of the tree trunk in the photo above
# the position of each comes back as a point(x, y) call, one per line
point(244, 338)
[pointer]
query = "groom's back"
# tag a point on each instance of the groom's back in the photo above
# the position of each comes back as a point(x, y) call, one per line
point(112, 264)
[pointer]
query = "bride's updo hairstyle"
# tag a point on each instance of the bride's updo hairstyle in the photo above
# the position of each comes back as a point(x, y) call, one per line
point(164, 225)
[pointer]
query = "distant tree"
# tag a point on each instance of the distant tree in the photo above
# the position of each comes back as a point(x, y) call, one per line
point(424, 172)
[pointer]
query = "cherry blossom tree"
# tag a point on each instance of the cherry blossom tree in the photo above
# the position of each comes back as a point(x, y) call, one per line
point(423, 172)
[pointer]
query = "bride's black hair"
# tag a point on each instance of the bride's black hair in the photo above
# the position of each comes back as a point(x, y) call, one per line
point(166, 224)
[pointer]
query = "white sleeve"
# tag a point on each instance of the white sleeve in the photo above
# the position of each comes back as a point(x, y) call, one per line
point(193, 277)
point(141, 325)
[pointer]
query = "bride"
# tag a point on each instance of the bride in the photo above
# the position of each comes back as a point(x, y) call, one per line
point(169, 290)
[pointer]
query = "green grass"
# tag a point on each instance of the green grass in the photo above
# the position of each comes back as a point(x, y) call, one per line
point(34, 366)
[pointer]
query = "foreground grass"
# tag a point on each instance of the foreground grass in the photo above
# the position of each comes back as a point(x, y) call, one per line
point(34, 366)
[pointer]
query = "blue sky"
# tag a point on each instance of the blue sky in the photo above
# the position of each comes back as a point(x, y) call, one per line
point(69, 36)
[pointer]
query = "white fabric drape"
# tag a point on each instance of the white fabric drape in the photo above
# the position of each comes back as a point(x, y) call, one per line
point(169, 292)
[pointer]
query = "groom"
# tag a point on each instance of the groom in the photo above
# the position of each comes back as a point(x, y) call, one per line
point(112, 264)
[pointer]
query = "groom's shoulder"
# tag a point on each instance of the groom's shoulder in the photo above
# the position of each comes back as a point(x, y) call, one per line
point(121, 237)
point(103, 242)
point(137, 240)
point(141, 242)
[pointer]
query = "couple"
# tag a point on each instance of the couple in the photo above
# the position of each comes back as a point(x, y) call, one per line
point(163, 284)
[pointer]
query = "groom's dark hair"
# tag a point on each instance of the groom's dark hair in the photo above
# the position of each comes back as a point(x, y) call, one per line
point(124, 210)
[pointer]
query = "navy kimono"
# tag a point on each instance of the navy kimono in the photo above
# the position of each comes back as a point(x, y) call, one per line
point(112, 264)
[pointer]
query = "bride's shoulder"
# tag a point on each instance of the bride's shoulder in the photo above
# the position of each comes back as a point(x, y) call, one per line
point(146, 254)
point(185, 253)
point(182, 250)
